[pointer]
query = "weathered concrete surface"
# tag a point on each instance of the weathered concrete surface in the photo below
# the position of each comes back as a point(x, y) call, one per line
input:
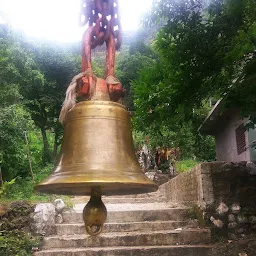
point(146, 226)
point(221, 192)
point(132, 228)
point(173, 250)
point(192, 187)
point(118, 213)
point(137, 198)
point(153, 224)
point(211, 183)
point(133, 206)
point(163, 237)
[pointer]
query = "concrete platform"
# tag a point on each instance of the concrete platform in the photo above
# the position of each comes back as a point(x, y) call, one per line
point(147, 226)
point(169, 250)
point(155, 228)
point(119, 213)
point(163, 237)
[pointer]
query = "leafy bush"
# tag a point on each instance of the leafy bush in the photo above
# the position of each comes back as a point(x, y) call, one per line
point(185, 165)
point(5, 186)
point(14, 240)
point(16, 243)
point(164, 166)
point(23, 188)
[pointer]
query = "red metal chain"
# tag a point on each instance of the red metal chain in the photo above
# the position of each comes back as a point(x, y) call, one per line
point(103, 16)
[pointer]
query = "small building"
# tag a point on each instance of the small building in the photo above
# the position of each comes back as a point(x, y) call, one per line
point(234, 143)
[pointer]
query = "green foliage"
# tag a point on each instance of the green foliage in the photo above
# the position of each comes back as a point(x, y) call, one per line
point(203, 51)
point(5, 187)
point(45, 89)
point(204, 148)
point(192, 213)
point(23, 188)
point(172, 135)
point(164, 166)
point(33, 80)
point(138, 139)
point(14, 241)
point(34, 76)
point(17, 243)
point(129, 66)
point(198, 47)
point(35, 143)
point(14, 120)
point(185, 165)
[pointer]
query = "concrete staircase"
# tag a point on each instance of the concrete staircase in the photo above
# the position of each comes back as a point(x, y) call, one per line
point(135, 226)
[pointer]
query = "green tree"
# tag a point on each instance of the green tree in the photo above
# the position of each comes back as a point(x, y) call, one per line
point(199, 46)
point(14, 119)
point(129, 65)
point(204, 51)
point(45, 88)
point(35, 76)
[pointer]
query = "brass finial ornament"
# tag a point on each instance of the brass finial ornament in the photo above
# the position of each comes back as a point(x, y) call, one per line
point(97, 155)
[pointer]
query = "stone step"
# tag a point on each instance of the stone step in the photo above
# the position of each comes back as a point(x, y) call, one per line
point(156, 238)
point(133, 206)
point(122, 199)
point(135, 213)
point(170, 250)
point(78, 228)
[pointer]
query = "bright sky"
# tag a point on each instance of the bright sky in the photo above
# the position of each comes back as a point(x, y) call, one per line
point(58, 19)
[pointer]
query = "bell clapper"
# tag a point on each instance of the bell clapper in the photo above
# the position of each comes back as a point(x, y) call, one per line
point(94, 213)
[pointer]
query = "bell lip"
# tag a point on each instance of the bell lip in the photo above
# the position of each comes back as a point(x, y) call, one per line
point(107, 189)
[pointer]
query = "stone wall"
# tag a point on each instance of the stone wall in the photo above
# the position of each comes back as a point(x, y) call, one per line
point(192, 187)
point(212, 182)
point(234, 182)
point(224, 192)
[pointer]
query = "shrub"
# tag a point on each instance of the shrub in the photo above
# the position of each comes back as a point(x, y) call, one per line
point(23, 188)
point(14, 240)
point(185, 165)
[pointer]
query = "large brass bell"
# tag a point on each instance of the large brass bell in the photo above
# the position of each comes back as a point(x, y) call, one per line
point(97, 151)
point(97, 157)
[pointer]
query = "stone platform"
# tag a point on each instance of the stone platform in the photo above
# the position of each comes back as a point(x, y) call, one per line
point(154, 227)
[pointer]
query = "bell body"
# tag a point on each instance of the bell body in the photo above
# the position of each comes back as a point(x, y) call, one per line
point(97, 151)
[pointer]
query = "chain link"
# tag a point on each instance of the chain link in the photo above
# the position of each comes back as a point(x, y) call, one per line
point(103, 16)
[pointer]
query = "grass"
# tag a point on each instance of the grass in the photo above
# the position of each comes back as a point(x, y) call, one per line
point(23, 189)
point(17, 200)
point(185, 165)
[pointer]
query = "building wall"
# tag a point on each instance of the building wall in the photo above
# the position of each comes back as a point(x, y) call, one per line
point(225, 141)
point(252, 139)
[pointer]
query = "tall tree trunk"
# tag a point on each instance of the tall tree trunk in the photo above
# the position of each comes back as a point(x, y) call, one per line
point(28, 156)
point(55, 146)
point(47, 156)
point(1, 177)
